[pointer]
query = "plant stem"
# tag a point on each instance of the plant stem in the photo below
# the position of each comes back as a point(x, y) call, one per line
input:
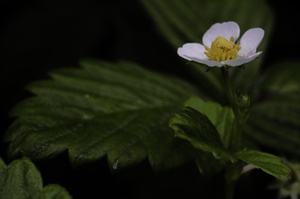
point(233, 171)
point(229, 92)
point(236, 134)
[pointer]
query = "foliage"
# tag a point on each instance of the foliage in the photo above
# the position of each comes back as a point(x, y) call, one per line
point(21, 180)
point(127, 114)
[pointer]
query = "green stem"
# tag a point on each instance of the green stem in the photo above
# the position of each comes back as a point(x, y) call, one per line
point(236, 135)
point(233, 171)
point(229, 91)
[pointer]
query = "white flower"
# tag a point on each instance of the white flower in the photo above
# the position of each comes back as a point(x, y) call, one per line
point(220, 48)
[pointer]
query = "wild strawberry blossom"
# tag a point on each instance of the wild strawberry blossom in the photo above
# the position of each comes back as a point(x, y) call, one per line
point(220, 47)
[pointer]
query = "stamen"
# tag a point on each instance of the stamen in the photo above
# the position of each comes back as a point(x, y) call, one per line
point(221, 49)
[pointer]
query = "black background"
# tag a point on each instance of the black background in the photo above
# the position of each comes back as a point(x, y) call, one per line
point(38, 36)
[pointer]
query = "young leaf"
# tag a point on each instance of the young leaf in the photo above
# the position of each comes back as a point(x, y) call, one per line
point(20, 179)
point(184, 21)
point(269, 163)
point(195, 127)
point(104, 109)
point(221, 117)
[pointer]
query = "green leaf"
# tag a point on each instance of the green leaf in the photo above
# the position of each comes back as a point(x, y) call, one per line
point(269, 163)
point(195, 127)
point(115, 110)
point(52, 191)
point(291, 187)
point(221, 117)
point(21, 179)
point(184, 21)
point(274, 121)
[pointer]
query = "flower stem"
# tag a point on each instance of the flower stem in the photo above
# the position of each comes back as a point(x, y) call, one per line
point(233, 171)
point(236, 134)
point(229, 91)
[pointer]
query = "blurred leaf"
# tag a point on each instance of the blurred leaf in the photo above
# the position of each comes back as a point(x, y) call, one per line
point(282, 78)
point(274, 121)
point(269, 163)
point(184, 21)
point(20, 179)
point(221, 117)
point(116, 110)
point(195, 127)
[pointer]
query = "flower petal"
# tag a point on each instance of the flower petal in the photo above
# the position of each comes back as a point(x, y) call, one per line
point(250, 41)
point(241, 61)
point(225, 29)
point(207, 62)
point(192, 50)
point(195, 52)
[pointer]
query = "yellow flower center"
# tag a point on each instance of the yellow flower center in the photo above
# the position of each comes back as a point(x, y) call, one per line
point(221, 49)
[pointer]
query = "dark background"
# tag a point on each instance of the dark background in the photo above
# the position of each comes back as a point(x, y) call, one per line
point(38, 36)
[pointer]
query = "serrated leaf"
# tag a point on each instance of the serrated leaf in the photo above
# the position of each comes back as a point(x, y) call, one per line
point(195, 127)
point(292, 187)
point(53, 191)
point(269, 163)
point(221, 117)
point(117, 110)
point(21, 180)
point(274, 122)
point(184, 21)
